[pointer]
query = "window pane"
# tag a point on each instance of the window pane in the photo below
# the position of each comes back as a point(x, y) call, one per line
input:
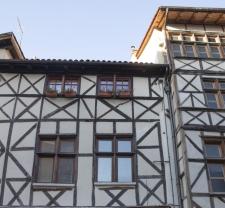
point(175, 37)
point(45, 169)
point(222, 85)
point(208, 85)
point(218, 185)
point(189, 51)
point(47, 146)
point(124, 146)
point(65, 170)
point(104, 145)
point(176, 49)
point(212, 39)
point(202, 52)
point(67, 145)
point(216, 170)
point(213, 150)
point(199, 38)
point(124, 169)
point(211, 100)
point(215, 52)
point(104, 169)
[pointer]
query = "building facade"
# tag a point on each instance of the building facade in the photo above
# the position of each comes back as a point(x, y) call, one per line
point(85, 134)
point(192, 42)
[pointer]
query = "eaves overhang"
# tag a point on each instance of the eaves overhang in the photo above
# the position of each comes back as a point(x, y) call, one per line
point(33, 66)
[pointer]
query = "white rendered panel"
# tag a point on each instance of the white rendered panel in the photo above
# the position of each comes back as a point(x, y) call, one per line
point(104, 127)
point(140, 86)
point(67, 127)
point(124, 127)
point(48, 128)
point(86, 137)
point(88, 85)
point(84, 183)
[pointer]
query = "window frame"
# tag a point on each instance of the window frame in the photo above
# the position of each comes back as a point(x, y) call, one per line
point(56, 155)
point(216, 90)
point(114, 155)
point(63, 91)
point(215, 160)
point(115, 78)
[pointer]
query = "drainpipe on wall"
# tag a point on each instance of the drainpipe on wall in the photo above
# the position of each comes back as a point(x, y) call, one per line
point(173, 129)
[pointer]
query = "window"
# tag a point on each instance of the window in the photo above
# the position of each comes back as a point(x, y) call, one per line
point(114, 86)
point(189, 50)
point(176, 48)
point(174, 37)
point(215, 155)
point(56, 159)
point(62, 85)
point(114, 158)
point(215, 53)
point(202, 51)
point(214, 92)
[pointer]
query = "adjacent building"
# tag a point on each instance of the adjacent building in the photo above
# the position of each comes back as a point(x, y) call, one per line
point(192, 42)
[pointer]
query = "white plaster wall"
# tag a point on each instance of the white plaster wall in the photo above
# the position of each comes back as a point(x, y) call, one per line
point(140, 86)
point(153, 53)
point(12, 80)
point(86, 137)
point(87, 82)
point(84, 181)
point(175, 27)
point(5, 54)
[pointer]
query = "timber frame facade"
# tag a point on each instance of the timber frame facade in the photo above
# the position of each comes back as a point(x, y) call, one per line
point(28, 114)
point(191, 40)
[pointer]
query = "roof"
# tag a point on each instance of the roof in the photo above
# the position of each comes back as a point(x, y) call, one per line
point(182, 15)
point(82, 67)
point(9, 41)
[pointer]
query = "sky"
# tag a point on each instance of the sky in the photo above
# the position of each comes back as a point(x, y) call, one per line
point(83, 29)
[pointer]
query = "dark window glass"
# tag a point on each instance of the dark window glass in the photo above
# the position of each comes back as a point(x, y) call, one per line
point(222, 85)
point(65, 170)
point(56, 158)
point(104, 145)
point(218, 185)
point(215, 53)
point(216, 170)
point(176, 48)
point(124, 169)
point(202, 53)
point(211, 100)
point(213, 150)
point(45, 171)
point(104, 169)
point(208, 85)
point(189, 50)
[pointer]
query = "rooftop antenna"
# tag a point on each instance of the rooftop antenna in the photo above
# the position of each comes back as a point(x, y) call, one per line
point(20, 30)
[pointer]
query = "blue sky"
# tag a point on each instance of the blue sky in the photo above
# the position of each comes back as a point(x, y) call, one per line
point(84, 29)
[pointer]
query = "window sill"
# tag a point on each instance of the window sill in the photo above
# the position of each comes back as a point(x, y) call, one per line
point(52, 186)
point(115, 185)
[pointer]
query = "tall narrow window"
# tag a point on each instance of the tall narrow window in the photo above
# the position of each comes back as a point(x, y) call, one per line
point(202, 51)
point(56, 159)
point(215, 155)
point(215, 52)
point(176, 48)
point(189, 50)
point(114, 158)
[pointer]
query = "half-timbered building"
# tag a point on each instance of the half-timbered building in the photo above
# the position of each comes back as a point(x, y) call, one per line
point(192, 42)
point(85, 134)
